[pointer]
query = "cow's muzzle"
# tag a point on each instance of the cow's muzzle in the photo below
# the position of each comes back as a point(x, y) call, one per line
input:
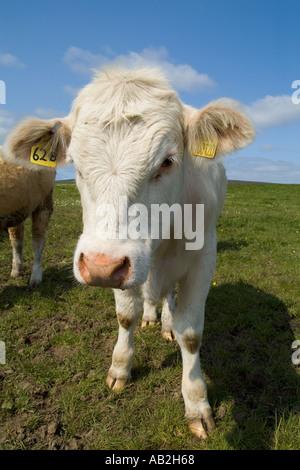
point(101, 270)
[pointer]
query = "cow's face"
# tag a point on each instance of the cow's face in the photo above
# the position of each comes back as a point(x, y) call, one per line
point(124, 164)
point(128, 135)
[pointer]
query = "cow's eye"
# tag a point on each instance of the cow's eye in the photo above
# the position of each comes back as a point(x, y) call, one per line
point(166, 163)
point(165, 166)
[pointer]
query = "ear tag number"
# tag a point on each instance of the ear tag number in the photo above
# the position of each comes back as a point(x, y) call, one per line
point(41, 154)
point(207, 150)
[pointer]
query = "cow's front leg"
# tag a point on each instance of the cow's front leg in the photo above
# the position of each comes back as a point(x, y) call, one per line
point(188, 322)
point(150, 315)
point(129, 308)
point(16, 236)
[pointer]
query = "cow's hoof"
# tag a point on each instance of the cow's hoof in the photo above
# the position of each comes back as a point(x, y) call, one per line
point(197, 427)
point(168, 335)
point(147, 323)
point(35, 279)
point(35, 283)
point(116, 384)
point(16, 274)
point(36, 276)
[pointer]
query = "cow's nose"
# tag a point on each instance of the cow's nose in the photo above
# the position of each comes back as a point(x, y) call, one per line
point(101, 270)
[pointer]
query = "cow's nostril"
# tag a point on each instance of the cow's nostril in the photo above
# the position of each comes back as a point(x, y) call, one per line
point(121, 272)
point(83, 269)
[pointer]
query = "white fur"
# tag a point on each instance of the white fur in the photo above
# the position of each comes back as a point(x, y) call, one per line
point(123, 125)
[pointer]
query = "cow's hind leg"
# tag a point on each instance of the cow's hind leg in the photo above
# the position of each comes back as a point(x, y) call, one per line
point(150, 313)
point(129, 308)
point(16, 236)
point(40, 222)
point(167, 313)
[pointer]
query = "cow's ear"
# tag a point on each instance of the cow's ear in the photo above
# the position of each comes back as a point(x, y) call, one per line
point(220, 126)
point(52, 134)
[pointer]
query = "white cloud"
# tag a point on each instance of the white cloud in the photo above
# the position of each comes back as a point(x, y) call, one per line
point(9, 60)
point(272, 111)
point(182, 76)
point(262, 170)
point(82, 61)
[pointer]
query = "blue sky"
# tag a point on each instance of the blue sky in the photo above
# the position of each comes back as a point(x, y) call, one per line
point(248, 50)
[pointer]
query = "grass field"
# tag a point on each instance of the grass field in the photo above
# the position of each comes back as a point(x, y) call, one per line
point(59, 340)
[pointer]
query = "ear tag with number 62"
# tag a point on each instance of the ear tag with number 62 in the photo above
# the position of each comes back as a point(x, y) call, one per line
point(41, 154)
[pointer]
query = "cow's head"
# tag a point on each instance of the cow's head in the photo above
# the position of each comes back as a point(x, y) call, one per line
point(130, 138)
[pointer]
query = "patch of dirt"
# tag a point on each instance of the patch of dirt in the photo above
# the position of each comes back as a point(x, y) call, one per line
point(48, 436)
point(38, 424)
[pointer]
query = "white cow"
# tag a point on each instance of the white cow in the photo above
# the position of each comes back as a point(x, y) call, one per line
point(130, 135)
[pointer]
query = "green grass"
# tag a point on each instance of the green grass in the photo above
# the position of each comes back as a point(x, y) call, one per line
point(59, 341)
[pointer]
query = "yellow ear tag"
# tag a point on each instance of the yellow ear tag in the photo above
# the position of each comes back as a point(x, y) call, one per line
point(207, 150)
point(41, 154)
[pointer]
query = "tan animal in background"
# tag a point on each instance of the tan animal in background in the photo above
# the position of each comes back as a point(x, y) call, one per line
point(25, 193)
